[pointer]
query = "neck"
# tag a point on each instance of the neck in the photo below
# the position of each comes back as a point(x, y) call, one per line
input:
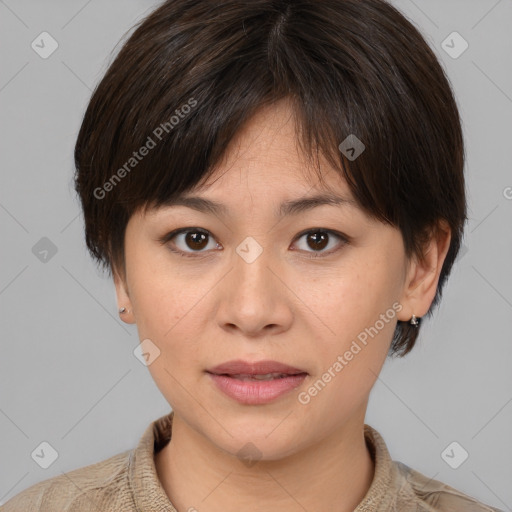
point(333, 474)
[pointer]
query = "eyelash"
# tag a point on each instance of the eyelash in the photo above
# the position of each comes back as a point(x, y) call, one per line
point(198, 254)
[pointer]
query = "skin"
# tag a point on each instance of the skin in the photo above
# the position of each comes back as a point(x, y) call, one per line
point(214, 307)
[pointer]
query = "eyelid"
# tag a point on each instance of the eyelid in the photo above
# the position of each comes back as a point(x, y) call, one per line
point(345, 239)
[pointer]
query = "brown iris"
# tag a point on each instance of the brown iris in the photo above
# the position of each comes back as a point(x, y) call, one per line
point(196, 240)
point(318, 238)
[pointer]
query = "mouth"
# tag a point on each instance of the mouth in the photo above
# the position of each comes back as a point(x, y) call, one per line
point(259, 370)
point(256, 383)
point(258, 376)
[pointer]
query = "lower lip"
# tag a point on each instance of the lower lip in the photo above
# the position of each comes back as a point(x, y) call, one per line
point(253, 392)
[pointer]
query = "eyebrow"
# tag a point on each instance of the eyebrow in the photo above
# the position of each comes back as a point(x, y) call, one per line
point(292, 207)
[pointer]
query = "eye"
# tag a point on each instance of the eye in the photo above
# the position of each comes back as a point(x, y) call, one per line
point(318, 239)
point(193, 238)
point(196, 239)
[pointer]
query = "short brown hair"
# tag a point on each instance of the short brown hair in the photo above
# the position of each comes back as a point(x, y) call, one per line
point(198, 70)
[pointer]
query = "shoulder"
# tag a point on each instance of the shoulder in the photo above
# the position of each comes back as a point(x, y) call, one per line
point(100, 486)
point(433, 495)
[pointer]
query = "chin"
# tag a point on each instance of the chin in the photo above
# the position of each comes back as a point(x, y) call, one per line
point(254, 440)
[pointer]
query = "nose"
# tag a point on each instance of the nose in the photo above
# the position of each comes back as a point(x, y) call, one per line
point(254, 298)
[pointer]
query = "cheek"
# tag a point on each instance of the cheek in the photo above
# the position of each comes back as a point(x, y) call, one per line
point(168, 304)
point(167, 314)
point(353, 296)
point(158, 294)
point(357, 310)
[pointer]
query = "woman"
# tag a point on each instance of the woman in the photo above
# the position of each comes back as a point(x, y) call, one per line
point(277, 191)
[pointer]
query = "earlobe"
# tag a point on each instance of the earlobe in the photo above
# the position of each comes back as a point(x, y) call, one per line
point(420, 286)
point(125, 309)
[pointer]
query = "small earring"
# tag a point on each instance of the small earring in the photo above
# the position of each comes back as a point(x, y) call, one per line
point(414, 321)
point(122, 310)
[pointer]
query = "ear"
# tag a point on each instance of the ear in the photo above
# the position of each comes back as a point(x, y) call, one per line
point(423, 274)
point(123, 298)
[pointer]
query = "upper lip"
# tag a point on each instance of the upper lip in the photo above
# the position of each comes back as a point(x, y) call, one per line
point(240, 367)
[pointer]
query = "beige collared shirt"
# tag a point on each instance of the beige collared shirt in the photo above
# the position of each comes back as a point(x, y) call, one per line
point(128, 482)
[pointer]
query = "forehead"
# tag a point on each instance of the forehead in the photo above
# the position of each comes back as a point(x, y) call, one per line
point(265, 155)
point(263, 168)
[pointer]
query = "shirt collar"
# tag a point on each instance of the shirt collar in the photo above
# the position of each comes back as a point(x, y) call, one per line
point(149, 494)
point(381, 495)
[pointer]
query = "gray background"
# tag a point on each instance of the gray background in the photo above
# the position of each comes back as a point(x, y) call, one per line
point(68, 375)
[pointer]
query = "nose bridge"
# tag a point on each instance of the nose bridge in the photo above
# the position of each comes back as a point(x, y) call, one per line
point(251, 300)
point(251, 272)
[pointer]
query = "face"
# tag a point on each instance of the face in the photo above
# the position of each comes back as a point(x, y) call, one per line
point(319, 289)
